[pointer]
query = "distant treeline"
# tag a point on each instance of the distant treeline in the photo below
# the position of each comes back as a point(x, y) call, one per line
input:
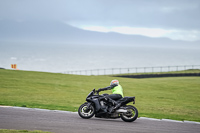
point(159, 75)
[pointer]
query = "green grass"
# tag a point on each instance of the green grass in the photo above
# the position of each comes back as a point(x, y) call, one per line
point(175, 98)
point(20, 131)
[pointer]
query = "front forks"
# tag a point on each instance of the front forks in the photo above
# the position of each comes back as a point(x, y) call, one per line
point(88, 107)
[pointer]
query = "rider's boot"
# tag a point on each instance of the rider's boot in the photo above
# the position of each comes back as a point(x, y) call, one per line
point(114, 108)
point(116, 105)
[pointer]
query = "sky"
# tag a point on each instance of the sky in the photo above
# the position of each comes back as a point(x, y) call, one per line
point(174, 19)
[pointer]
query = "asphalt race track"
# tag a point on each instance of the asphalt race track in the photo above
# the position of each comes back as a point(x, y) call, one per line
point(68, 122)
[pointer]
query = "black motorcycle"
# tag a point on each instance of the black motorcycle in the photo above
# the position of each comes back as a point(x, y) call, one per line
point(99, 106)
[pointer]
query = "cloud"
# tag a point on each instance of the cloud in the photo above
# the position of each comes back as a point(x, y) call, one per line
point(182, 14)
point(13, 58)
point(165, 17)
point(129, 30)
point(187, 35)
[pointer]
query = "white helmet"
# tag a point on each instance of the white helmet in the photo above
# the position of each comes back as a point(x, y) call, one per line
point(114, 82)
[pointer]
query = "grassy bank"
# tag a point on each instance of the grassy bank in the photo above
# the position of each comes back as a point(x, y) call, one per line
point(171, 98)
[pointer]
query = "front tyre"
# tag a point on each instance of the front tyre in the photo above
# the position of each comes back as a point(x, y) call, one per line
point(131, 114)
point(86, 112)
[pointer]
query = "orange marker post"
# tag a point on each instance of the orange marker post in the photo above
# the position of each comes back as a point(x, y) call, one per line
point(14, 66)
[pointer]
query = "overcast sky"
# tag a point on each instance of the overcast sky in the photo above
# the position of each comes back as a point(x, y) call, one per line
point(175, 19)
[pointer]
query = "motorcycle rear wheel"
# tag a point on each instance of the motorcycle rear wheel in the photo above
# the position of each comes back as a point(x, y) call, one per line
point(86, 114)
point(131, 115)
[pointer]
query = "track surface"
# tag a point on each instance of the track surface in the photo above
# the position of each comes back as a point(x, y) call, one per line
point(67, 122)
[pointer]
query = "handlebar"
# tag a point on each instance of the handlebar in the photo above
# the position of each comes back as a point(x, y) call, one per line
point(99, 90)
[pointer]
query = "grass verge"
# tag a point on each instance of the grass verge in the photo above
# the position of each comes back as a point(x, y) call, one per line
point(175, 98)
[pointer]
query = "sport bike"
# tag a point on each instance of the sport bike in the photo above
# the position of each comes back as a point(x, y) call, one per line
point(99, 106)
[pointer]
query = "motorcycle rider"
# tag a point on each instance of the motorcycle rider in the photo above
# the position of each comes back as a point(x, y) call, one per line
point(117, 91)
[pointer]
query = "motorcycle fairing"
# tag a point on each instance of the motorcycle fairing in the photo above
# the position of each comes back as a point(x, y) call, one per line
point(96, 103)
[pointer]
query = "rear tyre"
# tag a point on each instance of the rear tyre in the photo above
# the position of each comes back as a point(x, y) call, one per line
point(84, 112)
point(131, 115)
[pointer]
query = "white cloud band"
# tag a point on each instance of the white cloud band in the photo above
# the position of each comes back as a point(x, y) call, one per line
point(189, 35)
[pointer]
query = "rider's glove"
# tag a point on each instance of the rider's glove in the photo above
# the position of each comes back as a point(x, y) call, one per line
point(112, 86)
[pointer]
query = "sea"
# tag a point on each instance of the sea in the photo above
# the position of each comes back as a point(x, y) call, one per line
point(65, 57)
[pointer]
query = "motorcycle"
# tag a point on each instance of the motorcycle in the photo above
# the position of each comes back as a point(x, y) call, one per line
point(99, 106)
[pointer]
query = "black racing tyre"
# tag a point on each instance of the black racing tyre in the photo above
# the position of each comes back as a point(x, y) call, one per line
point(131, 115)
point(86, 114)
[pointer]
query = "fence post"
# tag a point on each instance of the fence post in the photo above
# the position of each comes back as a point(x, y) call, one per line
point(111, 71)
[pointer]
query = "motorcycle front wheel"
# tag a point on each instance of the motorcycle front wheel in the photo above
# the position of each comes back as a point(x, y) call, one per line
point(86, 112)
point(131, 114)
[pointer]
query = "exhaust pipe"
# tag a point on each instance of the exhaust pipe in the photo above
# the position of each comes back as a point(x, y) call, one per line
point(121, 111)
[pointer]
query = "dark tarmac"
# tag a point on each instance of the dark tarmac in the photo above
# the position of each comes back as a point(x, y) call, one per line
point(69, 122)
